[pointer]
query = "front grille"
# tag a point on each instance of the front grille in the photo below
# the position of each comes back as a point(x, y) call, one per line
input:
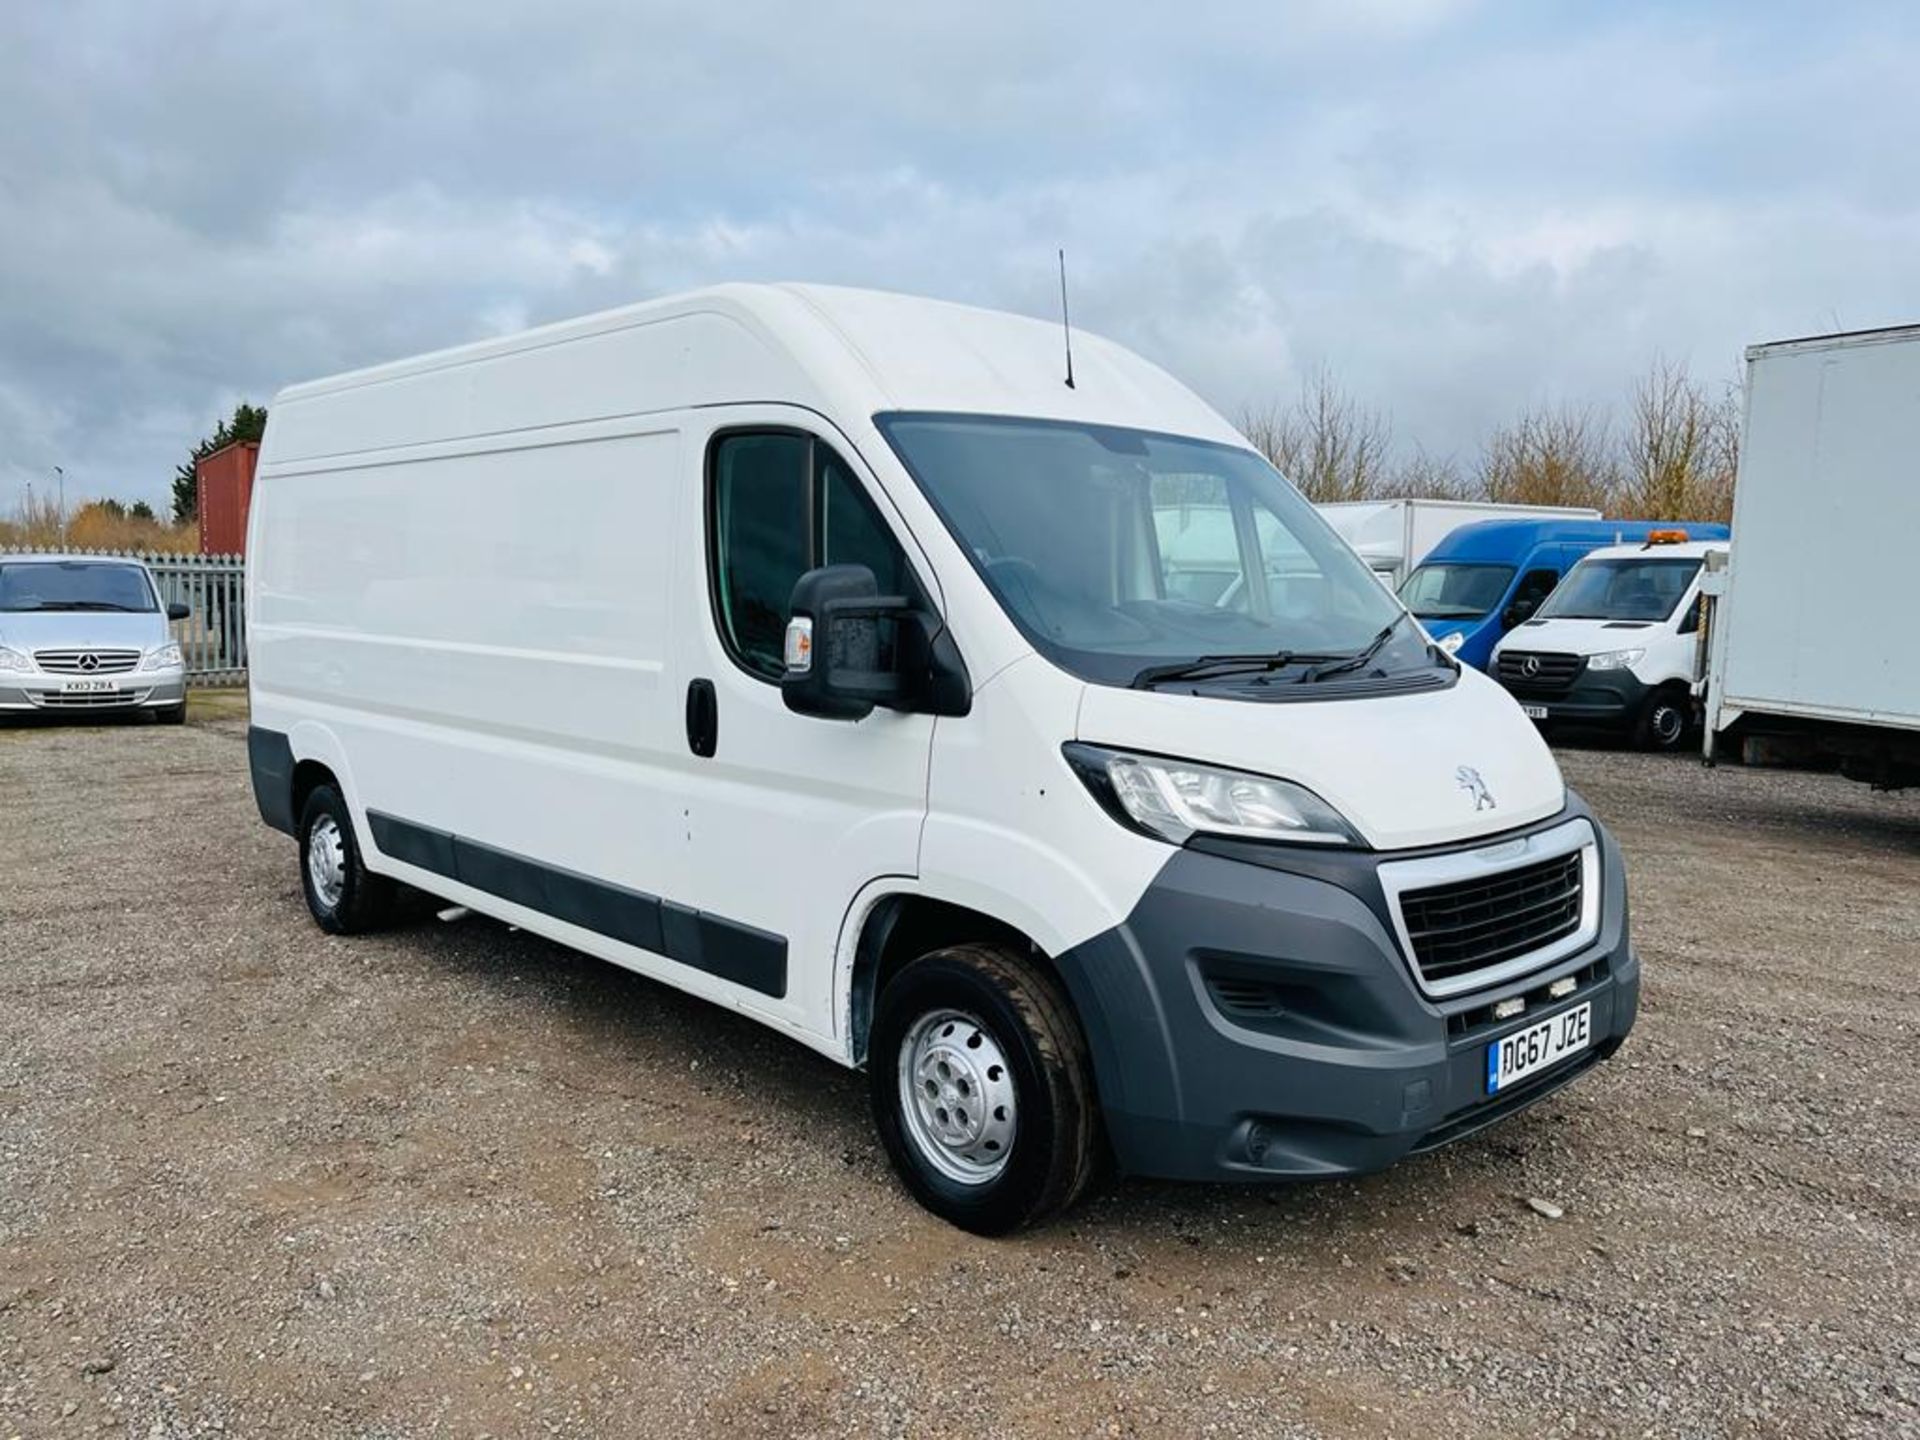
point(1469, 925)
point(1539, 672)
point(88, 700)
point(76, 662)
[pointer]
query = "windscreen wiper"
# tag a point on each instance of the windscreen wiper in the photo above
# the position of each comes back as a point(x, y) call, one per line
point(1208, 667)
point(1360, 659)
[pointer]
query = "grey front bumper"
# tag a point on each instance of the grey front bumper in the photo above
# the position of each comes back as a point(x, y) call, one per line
point(1352, 1067)
point(1610, 698)
point(137, 691)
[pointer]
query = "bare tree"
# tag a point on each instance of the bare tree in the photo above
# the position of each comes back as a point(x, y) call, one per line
point(1327, 443)
point(1424, 477)
point(1265, 425)
point(1676, 458)
point(1723, 467)
point(1551, 455)
point(1680, 450)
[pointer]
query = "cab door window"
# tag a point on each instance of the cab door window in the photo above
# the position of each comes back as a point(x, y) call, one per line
point(781, 503)
point(1534, 587)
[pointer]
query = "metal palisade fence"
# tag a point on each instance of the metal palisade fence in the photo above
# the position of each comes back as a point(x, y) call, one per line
point(213, 637)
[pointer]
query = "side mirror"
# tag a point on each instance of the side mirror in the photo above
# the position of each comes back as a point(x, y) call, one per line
point(1690, 622)
point(1518, 613)
point(850, 648)
point(176, 610)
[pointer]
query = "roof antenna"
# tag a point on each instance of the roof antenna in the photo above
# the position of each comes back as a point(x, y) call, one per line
point(1066, 326)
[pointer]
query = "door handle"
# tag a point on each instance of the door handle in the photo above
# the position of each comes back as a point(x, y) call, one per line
point(703, 718)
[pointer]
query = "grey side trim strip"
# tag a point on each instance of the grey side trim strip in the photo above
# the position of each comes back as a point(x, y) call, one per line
point(741, 953)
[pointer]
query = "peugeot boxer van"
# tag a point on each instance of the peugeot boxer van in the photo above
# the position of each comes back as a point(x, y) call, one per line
point(1484, 579)
point(820, 652)
point(1617, 644)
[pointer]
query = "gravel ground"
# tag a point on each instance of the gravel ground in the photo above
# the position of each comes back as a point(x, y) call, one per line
point(454, 1180)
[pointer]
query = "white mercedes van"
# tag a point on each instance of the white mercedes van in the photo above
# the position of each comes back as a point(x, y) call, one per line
point(826, 653)
point(1617, 644)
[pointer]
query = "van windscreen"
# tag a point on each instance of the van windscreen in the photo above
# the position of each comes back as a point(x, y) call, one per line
point(1455, 592)
point(74, 585)
point(1624, 589)
point(1119, 552)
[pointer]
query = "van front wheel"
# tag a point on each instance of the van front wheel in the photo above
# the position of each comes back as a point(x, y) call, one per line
point(345, 897)
point(981, 1088)
point(1664, 723)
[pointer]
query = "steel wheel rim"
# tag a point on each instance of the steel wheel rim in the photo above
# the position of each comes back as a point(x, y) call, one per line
point(956, 1096)
point(1667, 724)
point(327, 861)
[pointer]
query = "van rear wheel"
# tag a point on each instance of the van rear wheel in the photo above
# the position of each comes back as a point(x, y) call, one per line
point(345, 897)
point(981, 1088)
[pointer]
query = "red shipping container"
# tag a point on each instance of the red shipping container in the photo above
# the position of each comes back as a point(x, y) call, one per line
point(224, 482)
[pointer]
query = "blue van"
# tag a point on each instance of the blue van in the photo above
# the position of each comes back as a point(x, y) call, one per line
point(1486, 578)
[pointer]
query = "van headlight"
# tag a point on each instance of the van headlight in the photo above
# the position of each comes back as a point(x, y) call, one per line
point(13, 660)
point(164, 657)
point(1177, 799)
point(1615, 659)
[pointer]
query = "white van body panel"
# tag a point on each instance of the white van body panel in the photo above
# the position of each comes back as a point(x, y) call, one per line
point(1010, 828)
point(788, 813)
point(1390, 764)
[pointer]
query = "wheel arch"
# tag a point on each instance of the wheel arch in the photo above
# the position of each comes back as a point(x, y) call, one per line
point(1105, 980)
point(900, 925)
point(308, 776)
point(317, 759)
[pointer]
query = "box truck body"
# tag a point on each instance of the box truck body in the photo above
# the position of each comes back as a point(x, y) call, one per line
point(1811, 651)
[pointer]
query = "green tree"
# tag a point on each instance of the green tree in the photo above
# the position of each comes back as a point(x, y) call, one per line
point(249, 422)
point(141, 510)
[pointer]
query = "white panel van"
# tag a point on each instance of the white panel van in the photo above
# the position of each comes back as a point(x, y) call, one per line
point(816, 651)
point(1617, 644)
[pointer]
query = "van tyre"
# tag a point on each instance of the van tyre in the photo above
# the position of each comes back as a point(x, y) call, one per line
point(982, 1090)
point(173, 714)
point(345, 897)
point(1665, 720)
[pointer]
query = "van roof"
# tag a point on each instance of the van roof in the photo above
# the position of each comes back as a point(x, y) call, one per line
point(843, 351)
point(1509, 541)
point(67, 557)
point(1687, 550)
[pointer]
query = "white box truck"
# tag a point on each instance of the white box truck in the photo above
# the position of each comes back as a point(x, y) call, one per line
point(815, 651)
point(1811, 654)
point(1394, 536)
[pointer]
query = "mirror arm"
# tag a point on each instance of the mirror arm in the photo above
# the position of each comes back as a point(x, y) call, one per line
point(941, 685)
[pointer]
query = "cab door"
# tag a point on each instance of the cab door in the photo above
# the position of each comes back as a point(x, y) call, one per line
point(785, 817)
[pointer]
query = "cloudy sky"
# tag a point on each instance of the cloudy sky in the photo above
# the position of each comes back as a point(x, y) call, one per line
point(1457, 208)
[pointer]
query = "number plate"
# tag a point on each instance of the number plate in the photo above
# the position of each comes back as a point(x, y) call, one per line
point(1529, 1051)
point(88, 687)
point(1534, 712)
